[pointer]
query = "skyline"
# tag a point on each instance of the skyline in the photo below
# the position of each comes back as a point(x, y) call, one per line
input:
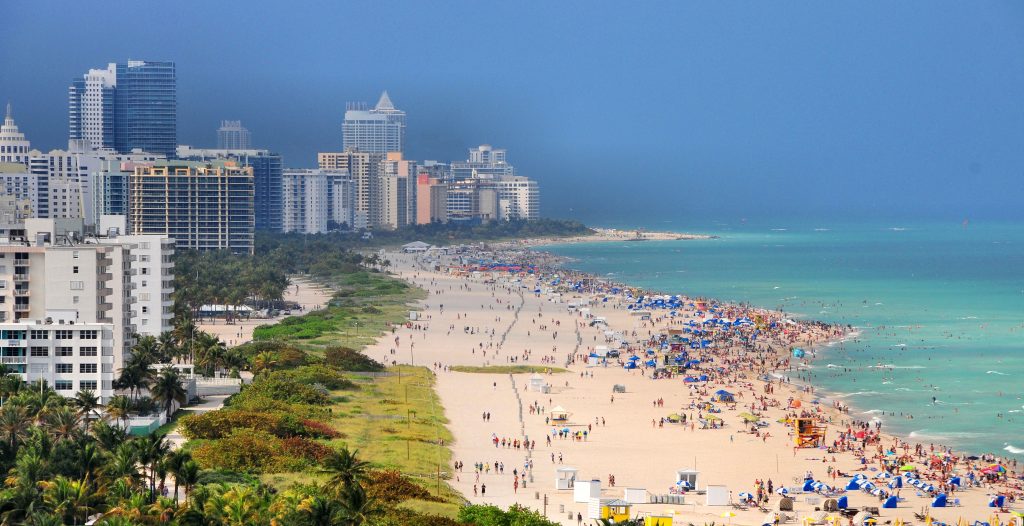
point(824, 111)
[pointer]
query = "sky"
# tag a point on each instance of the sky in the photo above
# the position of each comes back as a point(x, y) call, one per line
point(621, 110)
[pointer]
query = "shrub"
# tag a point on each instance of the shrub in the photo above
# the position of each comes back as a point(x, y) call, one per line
point(391, 486)
point(220, 476)
point(328, 377)
point(317, 429)
point(305, 448)
point(278, 386)
point(218, 424)
point(348, 359)
point(247, 451)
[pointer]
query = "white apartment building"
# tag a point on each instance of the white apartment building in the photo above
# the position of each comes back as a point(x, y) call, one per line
point(518, 198)
point(316, 201)
point(53, 278)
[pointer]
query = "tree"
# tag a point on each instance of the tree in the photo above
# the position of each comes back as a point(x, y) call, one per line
point(357, 508)
point(263, 361)
point(119, 408)
point(166, 389)
point(14, 424)
point(62, 423)
point(69, 499)
point(344, 469)
point(188, 476)
point(87, 403)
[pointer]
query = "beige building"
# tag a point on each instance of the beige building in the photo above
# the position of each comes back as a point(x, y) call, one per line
point(431, 200)
point(364, 168)
point(200, 205)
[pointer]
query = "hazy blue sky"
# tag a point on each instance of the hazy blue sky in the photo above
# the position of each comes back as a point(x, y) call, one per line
point(619, 109)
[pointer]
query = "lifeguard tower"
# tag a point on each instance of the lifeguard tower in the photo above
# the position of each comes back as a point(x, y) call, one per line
point(809, 433)
point(559, 415)
point(538, 385)
point(565, 478)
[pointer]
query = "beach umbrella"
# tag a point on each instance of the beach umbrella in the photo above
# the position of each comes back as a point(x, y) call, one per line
point(729, 515)
point(907, 467)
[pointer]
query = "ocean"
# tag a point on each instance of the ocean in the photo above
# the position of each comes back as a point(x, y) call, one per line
point(939, 309)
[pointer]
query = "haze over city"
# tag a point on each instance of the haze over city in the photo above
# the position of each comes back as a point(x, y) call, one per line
point(717, 109)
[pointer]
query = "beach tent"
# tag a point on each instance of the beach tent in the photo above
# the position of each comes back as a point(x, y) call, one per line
point(890, 502)
point(722, 395)
point(940, 501)
point(997, 501)
point(843, 502)
point(809, 485)
point(854, 484)
point(629, 365)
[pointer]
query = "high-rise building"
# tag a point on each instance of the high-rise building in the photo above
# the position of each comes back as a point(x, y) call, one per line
point(266, 172)
point(317, 201)
point(396, 206)
point(377, 130)
point(364, 167)
point(127, 106)
point(233, 136)
point(472, 200)
point(431, 199)
point(200, 205)
point(14, 147)
point(484, 160)
point(518, 198)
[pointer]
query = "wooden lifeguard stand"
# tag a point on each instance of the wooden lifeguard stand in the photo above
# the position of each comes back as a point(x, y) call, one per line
point(808, 433)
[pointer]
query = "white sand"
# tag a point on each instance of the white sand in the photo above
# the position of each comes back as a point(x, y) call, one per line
point(639, 455)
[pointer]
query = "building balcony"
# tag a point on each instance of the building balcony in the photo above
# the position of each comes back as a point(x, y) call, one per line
point(105, 291)
point(21, 307)
point(21, 293)
point(21, 277)
point(105, 276)
point(5, 360)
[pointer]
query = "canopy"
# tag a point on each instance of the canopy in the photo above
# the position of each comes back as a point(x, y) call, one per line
point(747, 417)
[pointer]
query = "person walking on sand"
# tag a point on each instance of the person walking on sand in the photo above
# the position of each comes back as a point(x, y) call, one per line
point(483, 490)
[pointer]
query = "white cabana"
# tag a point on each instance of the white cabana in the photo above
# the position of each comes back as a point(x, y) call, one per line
point(565, 478)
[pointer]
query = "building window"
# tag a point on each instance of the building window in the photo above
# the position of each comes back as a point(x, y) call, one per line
point(87, 368)
point(74, 254)
point(62, 385)
point(40, 351)
point(77, 285)
point(87, 351)
point(65, 351)
point(40, 335)
point(64, 334)
point(74, 299)
point(74, 270)
point(89, 385)
point(87, 335)
point(65, 368)
point(145, 309)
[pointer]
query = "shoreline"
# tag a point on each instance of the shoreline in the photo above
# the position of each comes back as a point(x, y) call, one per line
point(851, 333)
point(477, 315)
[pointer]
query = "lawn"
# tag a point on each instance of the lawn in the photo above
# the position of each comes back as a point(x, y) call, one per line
point(395, 422)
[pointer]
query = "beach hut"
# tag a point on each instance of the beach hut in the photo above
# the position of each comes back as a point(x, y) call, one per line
point(618, 388)
point(616, 510)
point(940, 501)
point(688, 476)
point(565, 478)
point(634, 495)
point(890, 502)
point(559, 414)
point(717, 495)
point(585, 490)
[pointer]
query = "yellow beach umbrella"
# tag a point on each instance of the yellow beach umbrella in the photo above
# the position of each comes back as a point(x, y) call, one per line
point(729, 515)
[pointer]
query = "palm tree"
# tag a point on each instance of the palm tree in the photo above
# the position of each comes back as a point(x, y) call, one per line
point(166, 388)
point(135, 375)
point(14, 424)
point(147, 349)
point(119, 408)
point(357, 508)
point(87, 402)
point(151, 450)
point(43, 519)
point(62, 423)
point(209, 353)
point(69, 499)
point(168, 347)
point(263, 362)
point(344, 469)
point(108, 437)
point(175, 463)
point(123, 464)
point(319, 511)
point(188, 476)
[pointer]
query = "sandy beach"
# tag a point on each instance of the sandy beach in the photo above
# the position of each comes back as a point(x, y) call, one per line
point(482, 319)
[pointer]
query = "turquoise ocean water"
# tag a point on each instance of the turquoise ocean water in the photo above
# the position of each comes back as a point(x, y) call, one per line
point(939, 307)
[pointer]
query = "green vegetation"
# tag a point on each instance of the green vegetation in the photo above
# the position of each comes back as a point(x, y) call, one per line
point(506, 369)
point(442, 233)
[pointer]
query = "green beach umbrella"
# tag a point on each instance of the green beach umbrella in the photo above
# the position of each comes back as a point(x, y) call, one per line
point(907, 467)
